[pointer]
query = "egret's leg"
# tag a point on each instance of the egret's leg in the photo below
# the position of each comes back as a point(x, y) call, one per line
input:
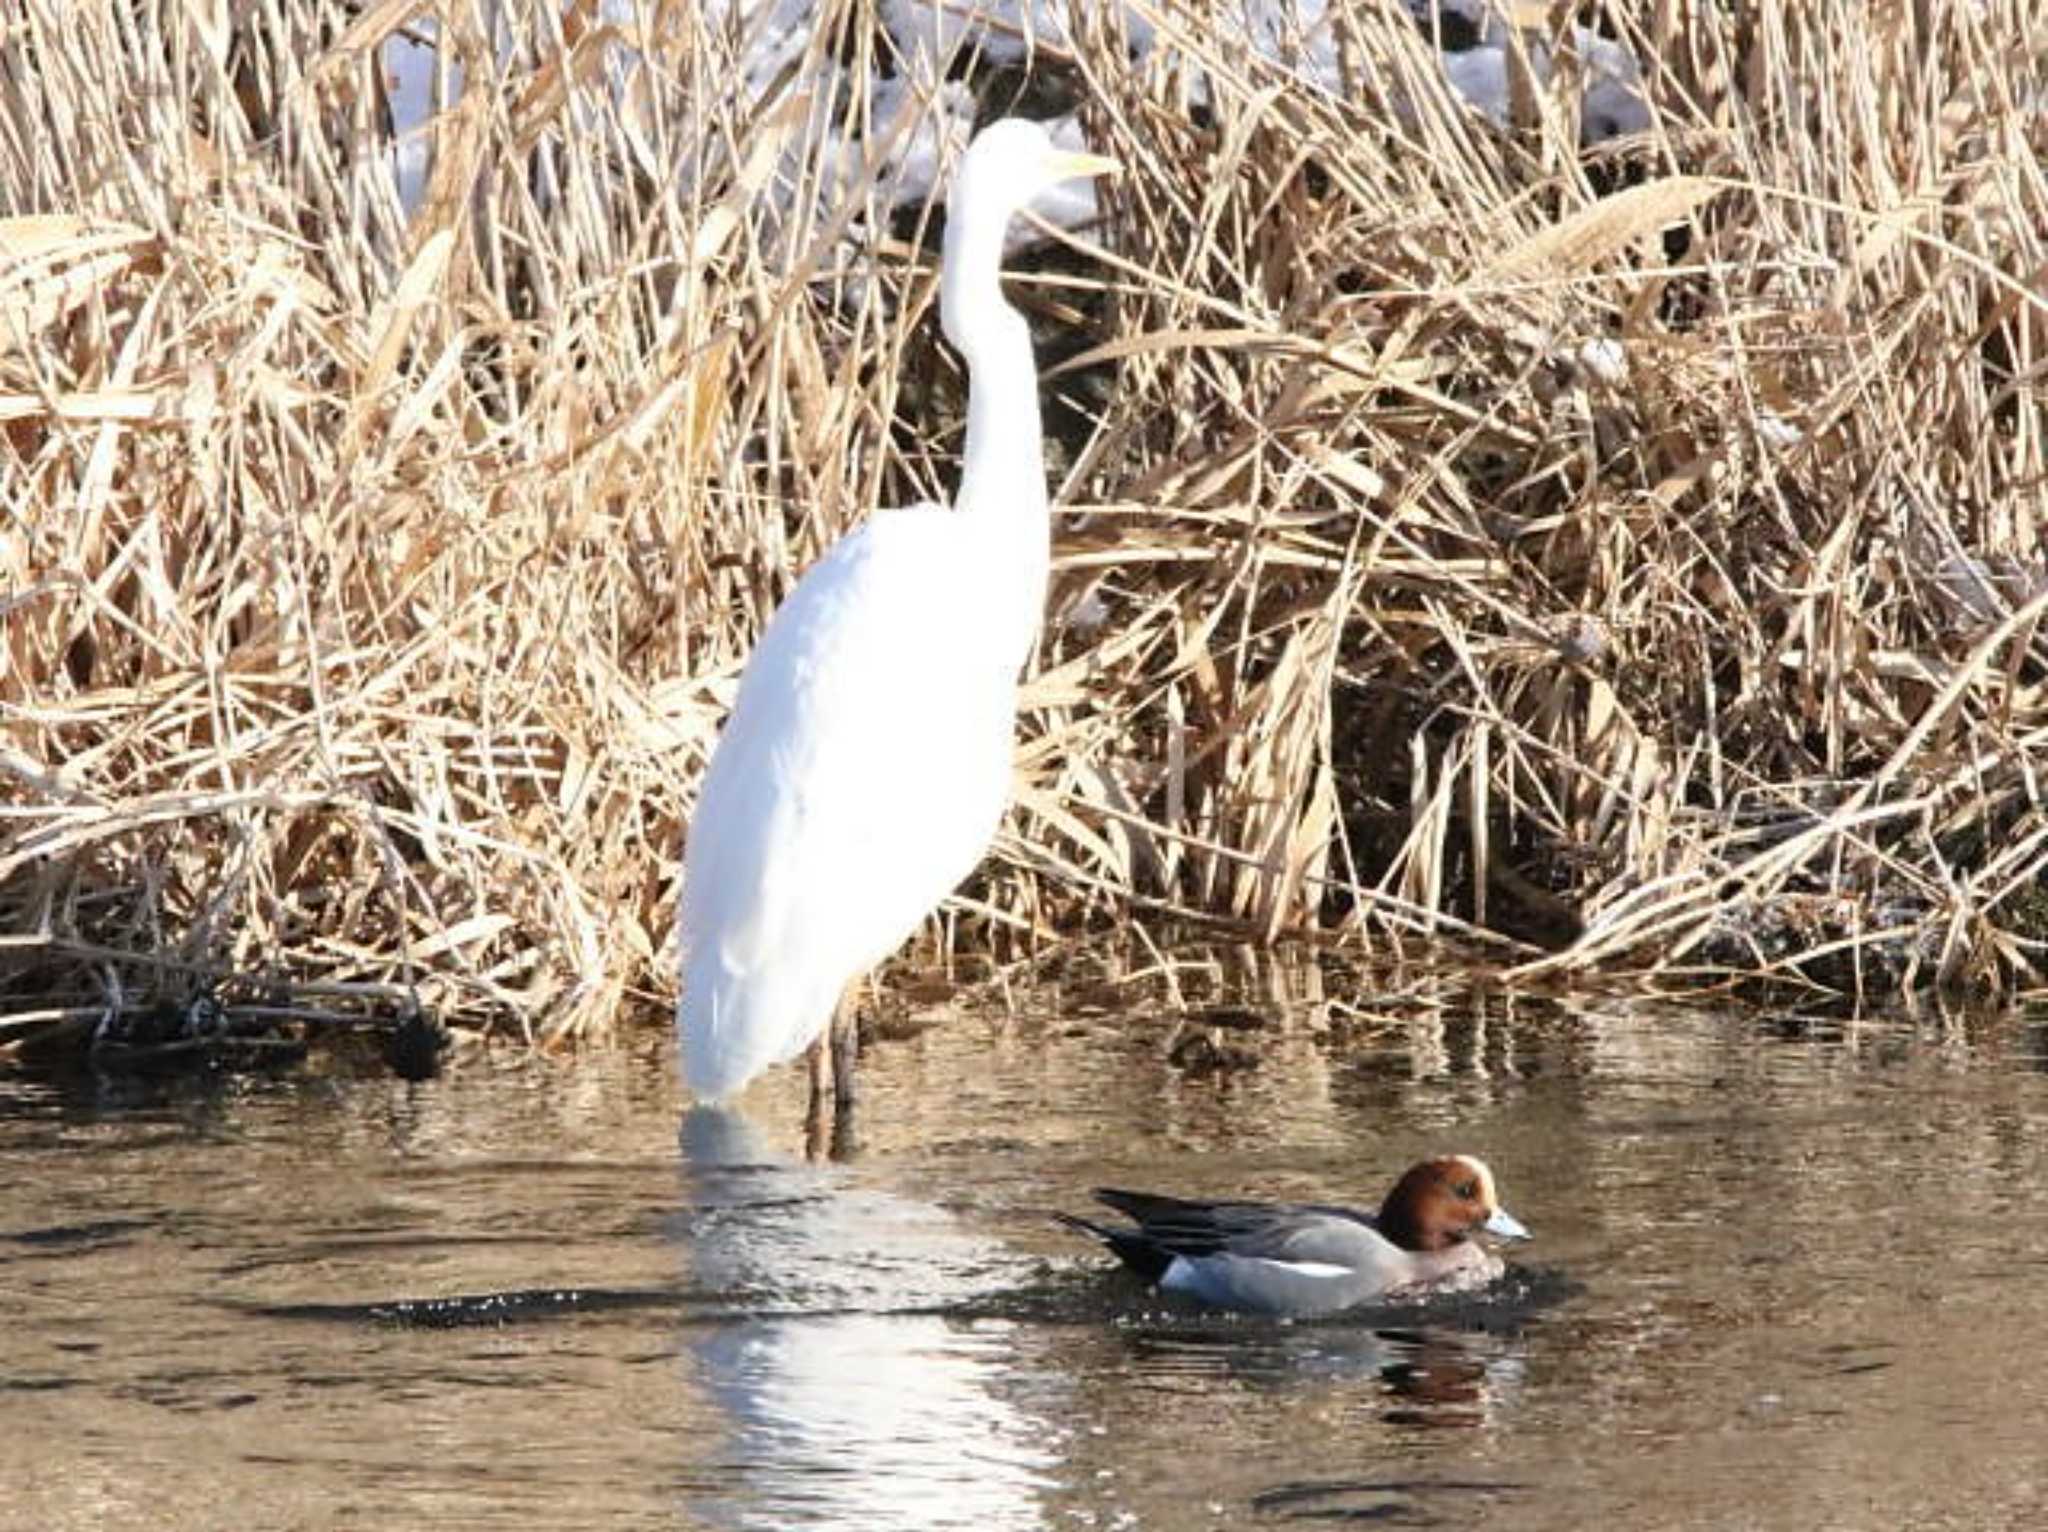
point(846, 1043)
point(844, 1036)
point(819, 1118)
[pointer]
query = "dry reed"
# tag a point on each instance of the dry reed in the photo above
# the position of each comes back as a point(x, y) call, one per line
point(1613, 563)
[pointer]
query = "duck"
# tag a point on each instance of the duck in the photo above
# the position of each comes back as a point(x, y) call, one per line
point(1300, 1260)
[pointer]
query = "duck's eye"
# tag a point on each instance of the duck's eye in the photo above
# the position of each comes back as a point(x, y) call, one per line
point(1467, 1190)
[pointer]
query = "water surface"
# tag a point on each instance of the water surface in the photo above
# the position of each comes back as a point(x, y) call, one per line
point(1785, 1275)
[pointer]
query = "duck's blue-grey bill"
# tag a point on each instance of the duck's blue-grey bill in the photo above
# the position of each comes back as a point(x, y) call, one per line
point(1505, 1224)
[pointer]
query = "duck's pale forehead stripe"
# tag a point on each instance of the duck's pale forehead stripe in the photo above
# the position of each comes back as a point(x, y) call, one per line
point(1481, 1173)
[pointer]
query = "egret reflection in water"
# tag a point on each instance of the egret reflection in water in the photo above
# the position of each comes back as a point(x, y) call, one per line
point(857, 1383)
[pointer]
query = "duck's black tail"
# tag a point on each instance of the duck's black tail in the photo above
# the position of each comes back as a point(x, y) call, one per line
point(1129, 1246)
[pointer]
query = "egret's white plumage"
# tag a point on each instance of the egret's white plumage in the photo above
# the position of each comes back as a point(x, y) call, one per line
point(867, 758)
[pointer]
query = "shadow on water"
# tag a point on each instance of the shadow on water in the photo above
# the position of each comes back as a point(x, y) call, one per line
point(515, 1297)
point(1391, 1502)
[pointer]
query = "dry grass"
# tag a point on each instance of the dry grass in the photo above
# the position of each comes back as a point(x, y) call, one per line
point(1452, 547)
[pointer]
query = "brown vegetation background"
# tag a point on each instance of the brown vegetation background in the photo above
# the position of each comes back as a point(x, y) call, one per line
point(1625, 562)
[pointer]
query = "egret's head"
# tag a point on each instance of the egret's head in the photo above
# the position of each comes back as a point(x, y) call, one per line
point(1016, 159)
point(1009, 163)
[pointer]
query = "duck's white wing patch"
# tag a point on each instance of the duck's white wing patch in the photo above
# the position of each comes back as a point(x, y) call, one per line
point(1307, 1268)
point(1245, 1280)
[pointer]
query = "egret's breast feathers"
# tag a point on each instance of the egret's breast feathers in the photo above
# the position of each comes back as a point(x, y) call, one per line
point(868, 754)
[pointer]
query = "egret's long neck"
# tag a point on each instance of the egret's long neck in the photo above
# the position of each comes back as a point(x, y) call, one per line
point(1004, 470)
point(1002, 479)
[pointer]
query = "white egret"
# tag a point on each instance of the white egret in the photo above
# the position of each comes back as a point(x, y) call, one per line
point(867, 759)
